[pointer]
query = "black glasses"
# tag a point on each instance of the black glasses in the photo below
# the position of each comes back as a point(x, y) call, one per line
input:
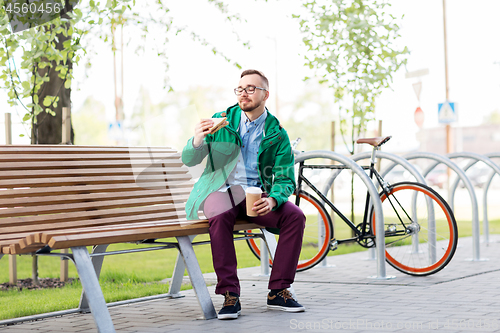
point(249, 90)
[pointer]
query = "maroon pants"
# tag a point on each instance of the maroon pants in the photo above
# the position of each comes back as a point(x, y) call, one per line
point(222, 210)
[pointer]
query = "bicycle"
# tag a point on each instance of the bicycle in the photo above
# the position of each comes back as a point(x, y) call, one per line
point(421, 233)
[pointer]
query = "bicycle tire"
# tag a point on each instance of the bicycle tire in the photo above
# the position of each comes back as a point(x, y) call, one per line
point(315, 244)
point(405, 252)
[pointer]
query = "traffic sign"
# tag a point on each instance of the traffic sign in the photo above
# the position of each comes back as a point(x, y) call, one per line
point(418, 73)
point(419, 117)
point(115, 130)
point(447, 113)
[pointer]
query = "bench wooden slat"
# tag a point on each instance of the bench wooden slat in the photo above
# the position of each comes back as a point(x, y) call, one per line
point(9, 240)
point(85, 215)
point(88, 197)
point(16, 249)
point(77, 189)
point(45, 236)
point(144, 220)
point(153, 157)
point(69, 181)
point(86, 206)
point(121, 236)
point(89, 164)
point(201, 227)
point(58, 149)
point(89, 172)
point(9, 237)
point(34, 228)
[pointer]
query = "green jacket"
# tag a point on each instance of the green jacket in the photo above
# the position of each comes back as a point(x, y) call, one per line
point(275, 160)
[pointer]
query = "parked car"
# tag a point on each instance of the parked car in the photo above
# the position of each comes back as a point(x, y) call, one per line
point(437, 177)
point(478, 175)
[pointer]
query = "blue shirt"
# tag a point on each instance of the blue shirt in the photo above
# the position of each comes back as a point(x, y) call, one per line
point(245, 173)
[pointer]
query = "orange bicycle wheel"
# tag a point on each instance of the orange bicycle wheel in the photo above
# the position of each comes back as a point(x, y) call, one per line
point(421, 233)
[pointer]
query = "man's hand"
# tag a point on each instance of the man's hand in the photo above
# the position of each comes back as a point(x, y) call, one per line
point(201, 130)
point(264, 206)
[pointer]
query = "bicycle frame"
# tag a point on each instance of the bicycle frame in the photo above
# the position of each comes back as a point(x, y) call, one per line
point(361, 233)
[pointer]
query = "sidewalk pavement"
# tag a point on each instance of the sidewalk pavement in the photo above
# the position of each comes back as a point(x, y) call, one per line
point(464, 297)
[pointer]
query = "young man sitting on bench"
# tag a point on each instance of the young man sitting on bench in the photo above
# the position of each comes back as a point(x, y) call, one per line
point(252, 150)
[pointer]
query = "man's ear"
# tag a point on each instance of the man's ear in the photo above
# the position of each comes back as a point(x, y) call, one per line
point(267, 95)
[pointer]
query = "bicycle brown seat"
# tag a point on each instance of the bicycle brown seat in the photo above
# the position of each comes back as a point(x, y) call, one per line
point(375, 142)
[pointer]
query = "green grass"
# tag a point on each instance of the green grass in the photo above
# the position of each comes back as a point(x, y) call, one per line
point(123, 276)
point(465, 227)
point(30, 302)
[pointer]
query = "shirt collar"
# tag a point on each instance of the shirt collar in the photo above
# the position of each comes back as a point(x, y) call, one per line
point(257, 122)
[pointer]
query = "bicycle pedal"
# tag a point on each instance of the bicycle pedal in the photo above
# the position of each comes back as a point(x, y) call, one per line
point(334, 244)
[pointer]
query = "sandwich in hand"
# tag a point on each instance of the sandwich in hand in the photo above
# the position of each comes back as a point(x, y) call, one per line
point(218, 124)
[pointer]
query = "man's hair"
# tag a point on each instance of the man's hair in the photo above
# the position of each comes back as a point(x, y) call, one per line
point(259, 73)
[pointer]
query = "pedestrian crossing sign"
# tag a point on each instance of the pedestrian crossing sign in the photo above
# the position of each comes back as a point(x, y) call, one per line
point(447, 113)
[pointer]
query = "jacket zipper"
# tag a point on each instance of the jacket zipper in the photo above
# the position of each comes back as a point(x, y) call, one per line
point(258, 157)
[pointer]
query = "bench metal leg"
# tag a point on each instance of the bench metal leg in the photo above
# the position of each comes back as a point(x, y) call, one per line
point(97, 263)
point(92, 290)
point(197, 280)
point(269, 243)
point(178, 275)
point(1, 255)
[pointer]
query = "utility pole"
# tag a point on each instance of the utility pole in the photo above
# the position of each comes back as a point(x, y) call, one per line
point(448, 127)
point(119, 117)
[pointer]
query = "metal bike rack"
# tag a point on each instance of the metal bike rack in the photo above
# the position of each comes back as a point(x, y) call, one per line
point(486, 231)
point(379, 218)
point(495, 170)
point(461, 174)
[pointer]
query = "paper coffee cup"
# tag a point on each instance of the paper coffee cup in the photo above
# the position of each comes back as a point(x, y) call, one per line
point(253, 194)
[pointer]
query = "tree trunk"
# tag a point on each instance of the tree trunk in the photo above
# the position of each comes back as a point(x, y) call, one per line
point(48, 129)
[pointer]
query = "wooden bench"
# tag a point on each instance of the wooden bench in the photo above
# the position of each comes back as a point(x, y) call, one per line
point(60, 197)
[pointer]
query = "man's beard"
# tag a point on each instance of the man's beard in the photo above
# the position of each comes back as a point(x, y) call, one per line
point(250, 106)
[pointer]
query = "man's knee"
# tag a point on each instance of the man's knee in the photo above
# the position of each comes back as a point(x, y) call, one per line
point(226, 218)
point(295, 214)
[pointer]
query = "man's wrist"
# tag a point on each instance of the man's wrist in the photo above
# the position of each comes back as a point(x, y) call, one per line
point(197, 147)
point(273, 200)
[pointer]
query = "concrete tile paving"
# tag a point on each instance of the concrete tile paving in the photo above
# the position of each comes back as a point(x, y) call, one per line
point(464, 297)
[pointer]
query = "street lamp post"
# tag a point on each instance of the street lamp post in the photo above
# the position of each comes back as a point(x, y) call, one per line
point(448, 127)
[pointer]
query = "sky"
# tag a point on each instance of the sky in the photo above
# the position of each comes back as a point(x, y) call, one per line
point(277, 50)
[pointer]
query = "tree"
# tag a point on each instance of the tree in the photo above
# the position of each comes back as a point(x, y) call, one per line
point(51, 46)
point(352, 47)
point(41, 82)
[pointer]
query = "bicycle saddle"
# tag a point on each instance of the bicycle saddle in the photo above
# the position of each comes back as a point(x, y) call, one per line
point(375, 142)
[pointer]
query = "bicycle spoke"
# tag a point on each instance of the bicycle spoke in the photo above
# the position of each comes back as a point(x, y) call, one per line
point(398, 240)
point(430, 232)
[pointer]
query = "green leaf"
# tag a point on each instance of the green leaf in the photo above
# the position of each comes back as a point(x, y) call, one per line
point(26, 85)
point(47, 101)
